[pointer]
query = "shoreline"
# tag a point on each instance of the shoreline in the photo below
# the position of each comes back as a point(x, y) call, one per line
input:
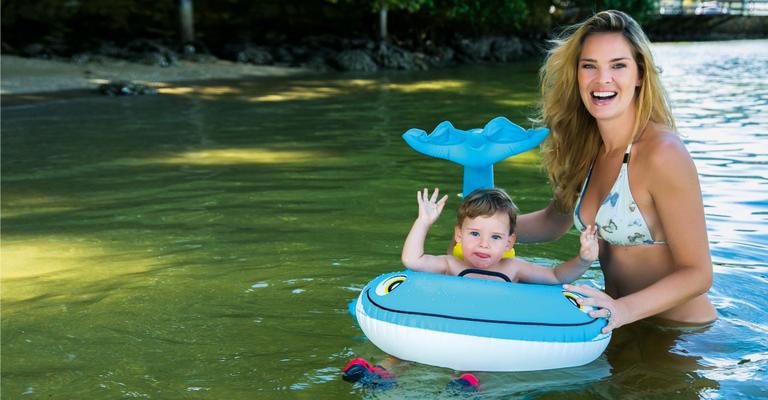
point(32, 76)
point(25, 79)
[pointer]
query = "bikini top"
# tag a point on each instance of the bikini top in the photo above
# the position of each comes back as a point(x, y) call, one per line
point(618, 219)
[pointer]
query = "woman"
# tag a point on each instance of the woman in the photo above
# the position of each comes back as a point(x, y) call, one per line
point(615, 161)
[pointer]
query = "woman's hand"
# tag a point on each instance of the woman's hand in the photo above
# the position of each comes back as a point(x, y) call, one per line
point(429, 207)
point(606, 306)
point(589, 248)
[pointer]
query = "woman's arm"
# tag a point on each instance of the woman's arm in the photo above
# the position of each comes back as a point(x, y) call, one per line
point(542, 226)
point(677, 197)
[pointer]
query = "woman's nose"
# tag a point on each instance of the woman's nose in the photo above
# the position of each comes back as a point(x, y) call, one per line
point(606, 75)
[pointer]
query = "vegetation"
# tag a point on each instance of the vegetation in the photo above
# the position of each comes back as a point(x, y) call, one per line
point(270, 21)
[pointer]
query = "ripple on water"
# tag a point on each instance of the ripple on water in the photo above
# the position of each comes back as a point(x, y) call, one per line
point(719, 96)
point(214, 244)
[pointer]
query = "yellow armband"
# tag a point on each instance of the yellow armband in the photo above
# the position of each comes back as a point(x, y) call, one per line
point(460, 255)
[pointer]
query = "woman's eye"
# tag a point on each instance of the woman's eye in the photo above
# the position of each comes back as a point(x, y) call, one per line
point(619, 66)
point(587, 66)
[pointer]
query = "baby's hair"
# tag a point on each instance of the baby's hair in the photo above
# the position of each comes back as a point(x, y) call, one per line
point(487, 202)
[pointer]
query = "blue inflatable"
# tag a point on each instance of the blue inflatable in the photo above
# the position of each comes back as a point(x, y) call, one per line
point(476, 149)
point(471, 324)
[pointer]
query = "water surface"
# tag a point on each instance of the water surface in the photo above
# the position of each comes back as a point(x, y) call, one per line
point(203, 243)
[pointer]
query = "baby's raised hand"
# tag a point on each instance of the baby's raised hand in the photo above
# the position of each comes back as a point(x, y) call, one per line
point(429, 207)
point(589, 248)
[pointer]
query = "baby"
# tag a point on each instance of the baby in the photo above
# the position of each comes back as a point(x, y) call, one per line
point(485, 226)
point(484, 229)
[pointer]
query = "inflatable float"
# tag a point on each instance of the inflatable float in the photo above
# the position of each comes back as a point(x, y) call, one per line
point(472, 324)
point(475, 149)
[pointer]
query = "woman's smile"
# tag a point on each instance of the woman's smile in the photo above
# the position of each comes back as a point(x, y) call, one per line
point(603, 96)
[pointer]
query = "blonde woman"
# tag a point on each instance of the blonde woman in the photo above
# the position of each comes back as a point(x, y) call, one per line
point(615, 161)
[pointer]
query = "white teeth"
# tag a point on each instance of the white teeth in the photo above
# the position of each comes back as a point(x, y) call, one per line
point(603, 94)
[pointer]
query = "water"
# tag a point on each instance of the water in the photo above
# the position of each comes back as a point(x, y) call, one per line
point(204, 243)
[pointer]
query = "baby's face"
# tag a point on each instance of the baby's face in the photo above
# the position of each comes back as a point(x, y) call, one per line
point(484, 239)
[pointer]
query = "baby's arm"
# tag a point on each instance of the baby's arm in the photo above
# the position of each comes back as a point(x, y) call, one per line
point(568, 271)
point(413, 256)
point(572, 269)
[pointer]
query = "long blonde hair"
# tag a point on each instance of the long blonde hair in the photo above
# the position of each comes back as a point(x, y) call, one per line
point(574, 138)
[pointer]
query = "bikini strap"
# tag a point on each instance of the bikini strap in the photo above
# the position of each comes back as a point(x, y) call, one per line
point(586, 179)
point(626, 154)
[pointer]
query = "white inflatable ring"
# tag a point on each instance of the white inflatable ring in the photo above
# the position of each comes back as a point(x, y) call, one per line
point(470, 324)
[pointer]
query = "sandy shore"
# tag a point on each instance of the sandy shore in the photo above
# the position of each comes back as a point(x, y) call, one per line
point(27, 76)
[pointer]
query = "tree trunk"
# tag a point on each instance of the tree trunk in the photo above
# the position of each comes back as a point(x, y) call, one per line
point(383, 23)
point(186, 15)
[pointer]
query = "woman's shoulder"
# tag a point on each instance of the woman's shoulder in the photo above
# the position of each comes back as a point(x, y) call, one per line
point(659, 146)
point(662, 155)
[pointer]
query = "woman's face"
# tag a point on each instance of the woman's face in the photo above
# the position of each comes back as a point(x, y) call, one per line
point(608, 75)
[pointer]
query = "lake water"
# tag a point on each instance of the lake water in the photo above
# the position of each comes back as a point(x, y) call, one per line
point(203, 243)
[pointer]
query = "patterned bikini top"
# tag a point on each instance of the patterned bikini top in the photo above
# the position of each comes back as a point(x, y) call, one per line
point(618, 219)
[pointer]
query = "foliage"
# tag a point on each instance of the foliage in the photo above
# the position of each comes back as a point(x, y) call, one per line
point(86, 20)
point(408, 5)
point(638, 9)
point(278, 21)
point(482, 15)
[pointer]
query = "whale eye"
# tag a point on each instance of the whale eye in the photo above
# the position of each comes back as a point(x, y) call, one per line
point(573, 296)
point(388, 285)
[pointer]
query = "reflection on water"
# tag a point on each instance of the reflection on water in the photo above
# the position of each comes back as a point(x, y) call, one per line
point(654, 360)
point(203, 243)
point(720, 97)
